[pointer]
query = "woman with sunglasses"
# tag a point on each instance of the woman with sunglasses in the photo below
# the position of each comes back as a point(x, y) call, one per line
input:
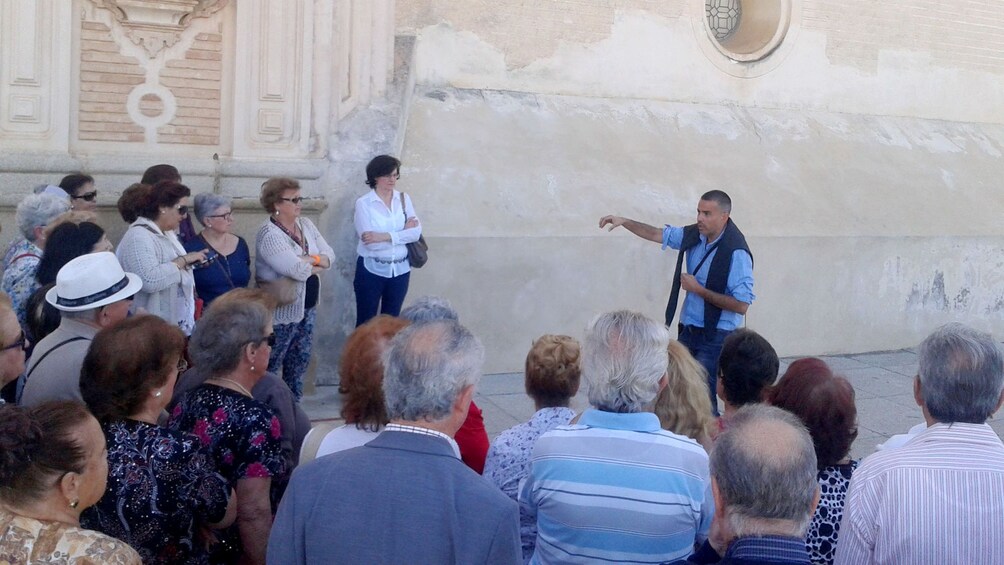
point(289, 254)
point(80, 188)
point(229, 257)
point(12, 344)
point(232, 343)
point(150, 248)
point(163, 486)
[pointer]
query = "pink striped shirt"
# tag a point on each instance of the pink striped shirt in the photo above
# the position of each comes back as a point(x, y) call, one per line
point(937, 499)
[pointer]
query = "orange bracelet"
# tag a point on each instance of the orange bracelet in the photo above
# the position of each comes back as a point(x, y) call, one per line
point(317, 260)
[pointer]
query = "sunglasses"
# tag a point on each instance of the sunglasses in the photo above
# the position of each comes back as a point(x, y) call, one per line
point(182, 210)
point(296, 200)
point(21, 343)
point(269, 339)
point(88, 197)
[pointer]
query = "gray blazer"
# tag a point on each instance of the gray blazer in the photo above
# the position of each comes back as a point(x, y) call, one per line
point(401, 498)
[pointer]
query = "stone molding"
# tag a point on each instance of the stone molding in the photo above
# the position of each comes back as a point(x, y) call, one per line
point(157, 24)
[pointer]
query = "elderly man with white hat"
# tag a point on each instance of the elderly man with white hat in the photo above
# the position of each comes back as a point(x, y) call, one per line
point(92, 292)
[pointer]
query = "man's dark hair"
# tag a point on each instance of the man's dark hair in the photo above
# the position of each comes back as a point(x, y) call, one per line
point(747, 366)
point(718, 197)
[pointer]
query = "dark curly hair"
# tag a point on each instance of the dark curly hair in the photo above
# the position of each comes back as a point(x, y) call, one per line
point(361, 370)
point(825, 404)
point(37, 445)
point(747, 366)
point(126, 362)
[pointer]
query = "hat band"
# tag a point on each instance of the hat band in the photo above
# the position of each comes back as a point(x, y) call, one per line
point(92, 298)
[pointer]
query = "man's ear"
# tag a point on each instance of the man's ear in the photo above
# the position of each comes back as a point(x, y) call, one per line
point(464, 399)
point(918, 397)
point(663, 382)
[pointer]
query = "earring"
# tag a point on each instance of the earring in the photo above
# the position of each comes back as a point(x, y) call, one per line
point(252, 367)
point(157, 394)
point(75, 503)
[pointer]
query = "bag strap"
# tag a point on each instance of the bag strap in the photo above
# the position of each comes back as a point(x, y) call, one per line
point(22, 256)
point(46, 354)
point(403, 211)
point(311, 443)
point(220, 258)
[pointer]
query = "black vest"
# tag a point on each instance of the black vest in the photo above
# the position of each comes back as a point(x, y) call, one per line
point(718, 274)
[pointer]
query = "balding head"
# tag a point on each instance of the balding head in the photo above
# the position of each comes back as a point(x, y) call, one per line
point(426, 367)
point(764, 468)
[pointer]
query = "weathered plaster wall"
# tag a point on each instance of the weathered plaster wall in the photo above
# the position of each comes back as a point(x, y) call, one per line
point(867, 231)
point(939, 60)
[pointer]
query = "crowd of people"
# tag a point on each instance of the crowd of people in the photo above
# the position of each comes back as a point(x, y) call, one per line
point(153, 409)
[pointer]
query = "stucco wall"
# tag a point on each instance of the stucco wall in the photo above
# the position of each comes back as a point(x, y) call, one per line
point(866, 231)
point(939, 60)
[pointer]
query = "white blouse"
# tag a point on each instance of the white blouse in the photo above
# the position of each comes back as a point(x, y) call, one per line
point(386, 258)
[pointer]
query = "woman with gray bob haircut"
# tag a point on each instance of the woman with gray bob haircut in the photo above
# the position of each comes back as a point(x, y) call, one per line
point(624, 361)
point(228, 258)
point(427, 366)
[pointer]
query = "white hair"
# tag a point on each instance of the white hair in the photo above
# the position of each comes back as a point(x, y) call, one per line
point(428, 308)
point(37, 210)
point(426, 366)
point(205, 203)
point(623, 359)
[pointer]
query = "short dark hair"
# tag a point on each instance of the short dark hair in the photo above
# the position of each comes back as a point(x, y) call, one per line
point(157, 173)
point(361, 371)
point(150, 199)
point(553, 370)
point(381, 166)
point(747, 365)
point(126, 362)
point(67, 241)
point(825, 404)
point(37, 445)
point(718, 197)
point(72, 183)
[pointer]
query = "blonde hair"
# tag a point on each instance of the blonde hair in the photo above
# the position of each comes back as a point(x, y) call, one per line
point(684, 406)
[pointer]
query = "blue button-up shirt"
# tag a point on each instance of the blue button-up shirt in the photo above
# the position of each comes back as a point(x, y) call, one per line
point(738, 286)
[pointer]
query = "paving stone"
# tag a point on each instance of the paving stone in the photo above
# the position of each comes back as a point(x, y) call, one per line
point(878, 382)
point(885, 359)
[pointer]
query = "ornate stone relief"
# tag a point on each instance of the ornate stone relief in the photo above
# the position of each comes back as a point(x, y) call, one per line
point(157, 24)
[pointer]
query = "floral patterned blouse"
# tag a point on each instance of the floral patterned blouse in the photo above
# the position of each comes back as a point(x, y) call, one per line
point(241, 433)
point(30, 541)
point(19, 277)
point(821, 539)
point(509, 461)
point(161, 486)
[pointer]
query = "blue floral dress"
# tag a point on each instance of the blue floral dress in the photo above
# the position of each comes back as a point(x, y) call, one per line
point(508, 462)
point(161, 486)
point(19, 277)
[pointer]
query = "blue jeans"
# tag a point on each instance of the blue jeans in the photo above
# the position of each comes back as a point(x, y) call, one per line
point(374, 292)
point(291, 354)
point(705, 347)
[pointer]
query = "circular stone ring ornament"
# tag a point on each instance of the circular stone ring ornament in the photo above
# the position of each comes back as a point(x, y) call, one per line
point(756, 34)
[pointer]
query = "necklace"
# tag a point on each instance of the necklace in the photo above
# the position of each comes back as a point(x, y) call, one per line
point(235, 383)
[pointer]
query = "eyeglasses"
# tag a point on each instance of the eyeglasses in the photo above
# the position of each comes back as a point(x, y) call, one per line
point(228, 216)
point(269, 339)
point(296, 200)
point(88, 197)
point(182, 365)
point(395, 174)
point(21, 342)
point(182, 210)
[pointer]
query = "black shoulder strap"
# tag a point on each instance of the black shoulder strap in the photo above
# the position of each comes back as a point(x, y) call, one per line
point(46, 354)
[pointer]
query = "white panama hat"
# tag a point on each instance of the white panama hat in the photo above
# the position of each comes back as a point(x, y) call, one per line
point(92, 281)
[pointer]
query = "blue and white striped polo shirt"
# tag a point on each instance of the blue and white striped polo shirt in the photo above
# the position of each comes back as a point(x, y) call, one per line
point(617, 488)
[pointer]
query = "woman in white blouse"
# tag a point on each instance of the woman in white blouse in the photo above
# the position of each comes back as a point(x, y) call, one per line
point(385, 222)
point(150, 249)
point(290, 251)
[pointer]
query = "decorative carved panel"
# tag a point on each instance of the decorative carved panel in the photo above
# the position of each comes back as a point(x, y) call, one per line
point(157, 24)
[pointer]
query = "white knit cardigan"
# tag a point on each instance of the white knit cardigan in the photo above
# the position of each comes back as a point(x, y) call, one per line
point(277, 255)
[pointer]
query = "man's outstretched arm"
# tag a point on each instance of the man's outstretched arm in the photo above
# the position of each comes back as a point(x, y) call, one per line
point(641, 230)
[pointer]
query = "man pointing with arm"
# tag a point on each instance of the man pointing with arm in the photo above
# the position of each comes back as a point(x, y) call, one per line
point(718, 281)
